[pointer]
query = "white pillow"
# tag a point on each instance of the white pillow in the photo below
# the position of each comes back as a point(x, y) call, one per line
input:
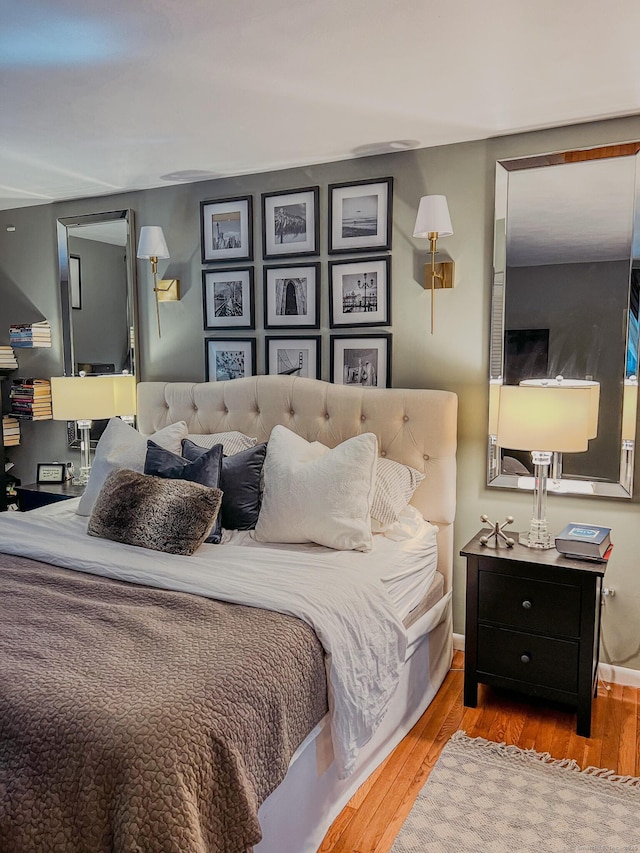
point(395, 485)
point(232, 442)
point(122, 446)
point(314, 494)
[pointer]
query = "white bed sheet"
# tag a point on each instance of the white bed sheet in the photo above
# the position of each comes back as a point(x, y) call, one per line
point(346, 604)
point(404, 557)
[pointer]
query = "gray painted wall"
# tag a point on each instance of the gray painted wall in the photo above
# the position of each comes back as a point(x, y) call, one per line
point(455, 358)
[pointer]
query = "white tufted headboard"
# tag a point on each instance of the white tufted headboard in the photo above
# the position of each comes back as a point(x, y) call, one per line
point(413, 426)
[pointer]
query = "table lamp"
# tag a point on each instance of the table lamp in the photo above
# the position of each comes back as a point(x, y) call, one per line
point(544, 419)
point(125, 397)
point(83, 399)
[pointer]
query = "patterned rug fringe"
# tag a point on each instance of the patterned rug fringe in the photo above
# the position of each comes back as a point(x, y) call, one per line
point(546, 758)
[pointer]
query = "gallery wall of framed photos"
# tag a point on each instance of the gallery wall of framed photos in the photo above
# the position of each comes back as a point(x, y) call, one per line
point(351, 289)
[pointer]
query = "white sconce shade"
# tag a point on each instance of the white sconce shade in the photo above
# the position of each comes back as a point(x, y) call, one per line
point(151, 243)
point(544, 418)
point(433, 216)
point(125, 402)
point(79, 398)
point(594, 399)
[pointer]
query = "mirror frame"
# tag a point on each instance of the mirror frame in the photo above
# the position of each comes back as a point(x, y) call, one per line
point(573, 486)
point(63, 226)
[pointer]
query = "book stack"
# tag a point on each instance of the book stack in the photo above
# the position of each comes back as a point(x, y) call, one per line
point(31, 399)
point(585, 541)
point(10, 431)
point(30, 334)
point(7, 358)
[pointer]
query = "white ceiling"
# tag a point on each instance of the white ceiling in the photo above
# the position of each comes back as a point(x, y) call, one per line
point(99, 97)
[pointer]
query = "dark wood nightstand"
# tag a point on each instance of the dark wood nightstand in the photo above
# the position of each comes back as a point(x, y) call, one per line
point(533, 625)
point(35, 495)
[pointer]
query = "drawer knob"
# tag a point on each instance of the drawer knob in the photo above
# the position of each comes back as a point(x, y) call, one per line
point(527, 605)
point(525, 658)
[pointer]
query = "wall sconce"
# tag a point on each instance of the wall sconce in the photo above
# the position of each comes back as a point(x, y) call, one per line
point(433, 221)
point(153, 247)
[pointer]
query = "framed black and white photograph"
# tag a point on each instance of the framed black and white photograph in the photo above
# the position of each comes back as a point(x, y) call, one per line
point(228, 301)
point(292, 296)
point(360, 215)
point(360, 292)
point(227, 229)
point(361, 360)
point(233, 358)
point(290, 223)
point(75, 284)
point(293, 356)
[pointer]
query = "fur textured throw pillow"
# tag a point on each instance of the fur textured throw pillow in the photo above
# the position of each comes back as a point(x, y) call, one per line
point(173, 516)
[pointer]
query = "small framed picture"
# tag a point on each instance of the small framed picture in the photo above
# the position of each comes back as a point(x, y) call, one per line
point(360, 215)
point(75, 284)
point(234, 358)
point(290, 223)
point(292, 296)
point(51, 472)
point(227, 229)
point(228, 298)
point(360, 292)
point(361, 360)
point(293, 356)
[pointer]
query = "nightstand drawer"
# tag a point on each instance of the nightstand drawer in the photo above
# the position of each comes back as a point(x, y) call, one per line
point(529, 658)
point(529, 605)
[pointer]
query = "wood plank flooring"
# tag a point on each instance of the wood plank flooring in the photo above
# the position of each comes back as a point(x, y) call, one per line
point(373, 817)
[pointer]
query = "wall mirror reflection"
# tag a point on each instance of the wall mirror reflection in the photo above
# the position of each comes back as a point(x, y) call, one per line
point(565, 303)
point(96, 258)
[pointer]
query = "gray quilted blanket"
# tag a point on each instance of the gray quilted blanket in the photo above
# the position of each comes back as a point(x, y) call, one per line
point(135, 719)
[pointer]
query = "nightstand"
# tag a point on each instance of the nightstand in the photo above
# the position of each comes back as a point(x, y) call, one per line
point(35, 495)
point(533, 625)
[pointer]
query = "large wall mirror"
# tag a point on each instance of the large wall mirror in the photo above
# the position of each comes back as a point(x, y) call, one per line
point(96, 259)
point(565, 303)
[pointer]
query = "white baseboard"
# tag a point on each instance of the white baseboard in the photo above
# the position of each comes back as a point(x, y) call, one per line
point(458, 642)
point(619, 674)
point(606, 671)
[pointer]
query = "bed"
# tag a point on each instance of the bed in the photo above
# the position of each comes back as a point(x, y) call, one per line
point(413, 427)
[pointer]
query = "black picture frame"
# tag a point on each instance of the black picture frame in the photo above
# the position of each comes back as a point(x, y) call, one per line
point(233, 217)
point(215, 371)
point(360, 216)
point(360, 349)
point(296, 286)
point(309, 369)
point(51, 472)
point(299, 227)
point(75, 282)
point(351, 296)
point(241, 291)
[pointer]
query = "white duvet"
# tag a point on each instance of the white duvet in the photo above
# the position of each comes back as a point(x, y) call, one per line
point(342, 599)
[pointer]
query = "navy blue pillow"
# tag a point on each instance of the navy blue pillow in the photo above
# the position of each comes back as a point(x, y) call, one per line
point(206, 470)
point(240, 484)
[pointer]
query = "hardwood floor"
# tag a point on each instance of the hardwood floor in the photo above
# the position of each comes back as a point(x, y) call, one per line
point(373, 817)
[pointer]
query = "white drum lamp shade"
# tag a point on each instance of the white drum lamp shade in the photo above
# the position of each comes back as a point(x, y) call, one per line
point(544, 418)
point(125, 397)
point(78, 398)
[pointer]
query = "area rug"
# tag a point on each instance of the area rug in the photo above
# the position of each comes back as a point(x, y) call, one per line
point(484, 797)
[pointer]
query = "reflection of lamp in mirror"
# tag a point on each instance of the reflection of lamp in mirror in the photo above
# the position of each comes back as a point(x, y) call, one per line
point(543, 420)
point(494, 405)
point(594, 408)
point(125, 397)
point(433, 221)
point(153, 247)
point(629, 421)
point(83, 399)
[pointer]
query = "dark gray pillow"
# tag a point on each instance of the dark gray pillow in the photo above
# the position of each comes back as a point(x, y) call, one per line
point(150, 512)
point(240, 484)
point(206, 470)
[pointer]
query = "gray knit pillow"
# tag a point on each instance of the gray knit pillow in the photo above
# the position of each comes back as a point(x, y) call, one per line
point(174, 516)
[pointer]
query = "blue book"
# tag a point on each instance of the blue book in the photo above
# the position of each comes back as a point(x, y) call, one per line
point(588, 541)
